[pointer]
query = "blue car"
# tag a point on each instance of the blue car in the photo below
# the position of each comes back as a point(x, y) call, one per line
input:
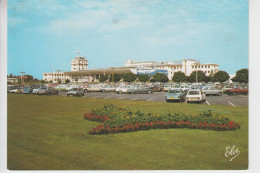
point(27, 90)
point(175, 94)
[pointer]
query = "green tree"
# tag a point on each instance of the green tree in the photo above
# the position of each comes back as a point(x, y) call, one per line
point(144, 77)
point(221, 76)
point(129, 77)
point(28, 78)
point(179, 77)
point(201, 76)
point(160, 77)
point(67, 81)
point(10, 75)
point(42, 81)
point(117, 77)
point(103, 78)
point(241, 76)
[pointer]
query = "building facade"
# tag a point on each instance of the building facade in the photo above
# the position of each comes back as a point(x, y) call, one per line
point(79, 63)
point(186, 66)
point(80, 72)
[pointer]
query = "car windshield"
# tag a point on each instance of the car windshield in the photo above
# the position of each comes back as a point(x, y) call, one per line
point(175, 91)
point(193, 92)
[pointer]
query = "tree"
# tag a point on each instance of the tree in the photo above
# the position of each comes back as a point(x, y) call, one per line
point(103, 78)
point(143, 77)
point(117, 77)
point(129, 77)
point(10, 75)
point(179, 77)
point(42, 81)
point(28, 78)
point(221, 76)
point(160, 77)
point(201, 76)
point(241, 76)
point(67, 81)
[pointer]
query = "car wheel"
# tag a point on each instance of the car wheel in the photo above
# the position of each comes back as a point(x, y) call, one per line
point(132, 92)
point(149, 92)
point(120, 92)
point(82, 94)
point(234, 93)
point(103, 91)
point(220, 93)
point(85, 90)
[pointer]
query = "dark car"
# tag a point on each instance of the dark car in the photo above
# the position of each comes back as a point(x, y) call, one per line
point(27, 90)
point(76, 92)
point(140, 90)
point(235, 91)
point(45, 90)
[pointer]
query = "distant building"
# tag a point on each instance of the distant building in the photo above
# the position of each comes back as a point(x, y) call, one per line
point(186, 66)
point(80, 72)
point(79, 63)
point(12, 80)
point(55, 77)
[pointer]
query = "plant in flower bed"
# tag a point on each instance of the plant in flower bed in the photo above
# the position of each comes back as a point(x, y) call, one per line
point(119, 119)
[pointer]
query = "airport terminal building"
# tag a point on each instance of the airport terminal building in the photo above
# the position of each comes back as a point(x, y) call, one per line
point(80, 72)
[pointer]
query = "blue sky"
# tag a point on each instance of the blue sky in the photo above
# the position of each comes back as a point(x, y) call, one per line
point(46, 33)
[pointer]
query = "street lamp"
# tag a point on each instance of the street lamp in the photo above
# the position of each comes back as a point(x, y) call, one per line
point(197, 63)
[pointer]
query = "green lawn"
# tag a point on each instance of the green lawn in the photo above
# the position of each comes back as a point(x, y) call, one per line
point(49, 133)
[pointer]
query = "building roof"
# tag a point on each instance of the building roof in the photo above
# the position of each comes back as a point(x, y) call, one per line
point(101, 71)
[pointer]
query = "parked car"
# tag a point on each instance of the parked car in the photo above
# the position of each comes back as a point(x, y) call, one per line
point(195, 95)
point(235, 91)
point(123, 89)
point(140, 90)
point(175, 95)
point(212, 91)
point(27, 90)
point(44, 90)
point(185, 88)
point(71, 87)
point(16, 90)
point(61, 87)
point(166, 88)
point(76, 92)
point(226, 88)
point(10, 87)
point(108, 88)
point(157, 88)
point(92, 88)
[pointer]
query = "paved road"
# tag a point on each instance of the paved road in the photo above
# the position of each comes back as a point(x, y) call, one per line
point(236, 101)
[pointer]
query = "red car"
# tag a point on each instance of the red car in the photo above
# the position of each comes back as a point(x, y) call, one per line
point(237, 91)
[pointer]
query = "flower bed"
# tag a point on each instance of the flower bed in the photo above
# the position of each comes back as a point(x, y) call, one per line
point(119, 119)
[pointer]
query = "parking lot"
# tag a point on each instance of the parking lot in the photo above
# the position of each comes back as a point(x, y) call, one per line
point(233, 100)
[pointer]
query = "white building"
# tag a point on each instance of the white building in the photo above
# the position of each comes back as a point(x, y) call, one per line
point(79, 63)
point(12, 80)
point(55, 77)
point(186, 66)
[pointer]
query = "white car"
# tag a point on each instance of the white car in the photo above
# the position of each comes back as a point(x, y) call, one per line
point(108, 88)
point(123, 89)
point(195, 95)
point(71, 87)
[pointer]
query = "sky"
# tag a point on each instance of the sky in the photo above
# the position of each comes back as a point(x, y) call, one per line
point(43, 35)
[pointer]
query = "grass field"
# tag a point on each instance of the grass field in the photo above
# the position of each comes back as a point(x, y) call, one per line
point(49, 133)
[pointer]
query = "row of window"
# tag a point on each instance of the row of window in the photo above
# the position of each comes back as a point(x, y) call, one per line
point(201, 66)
